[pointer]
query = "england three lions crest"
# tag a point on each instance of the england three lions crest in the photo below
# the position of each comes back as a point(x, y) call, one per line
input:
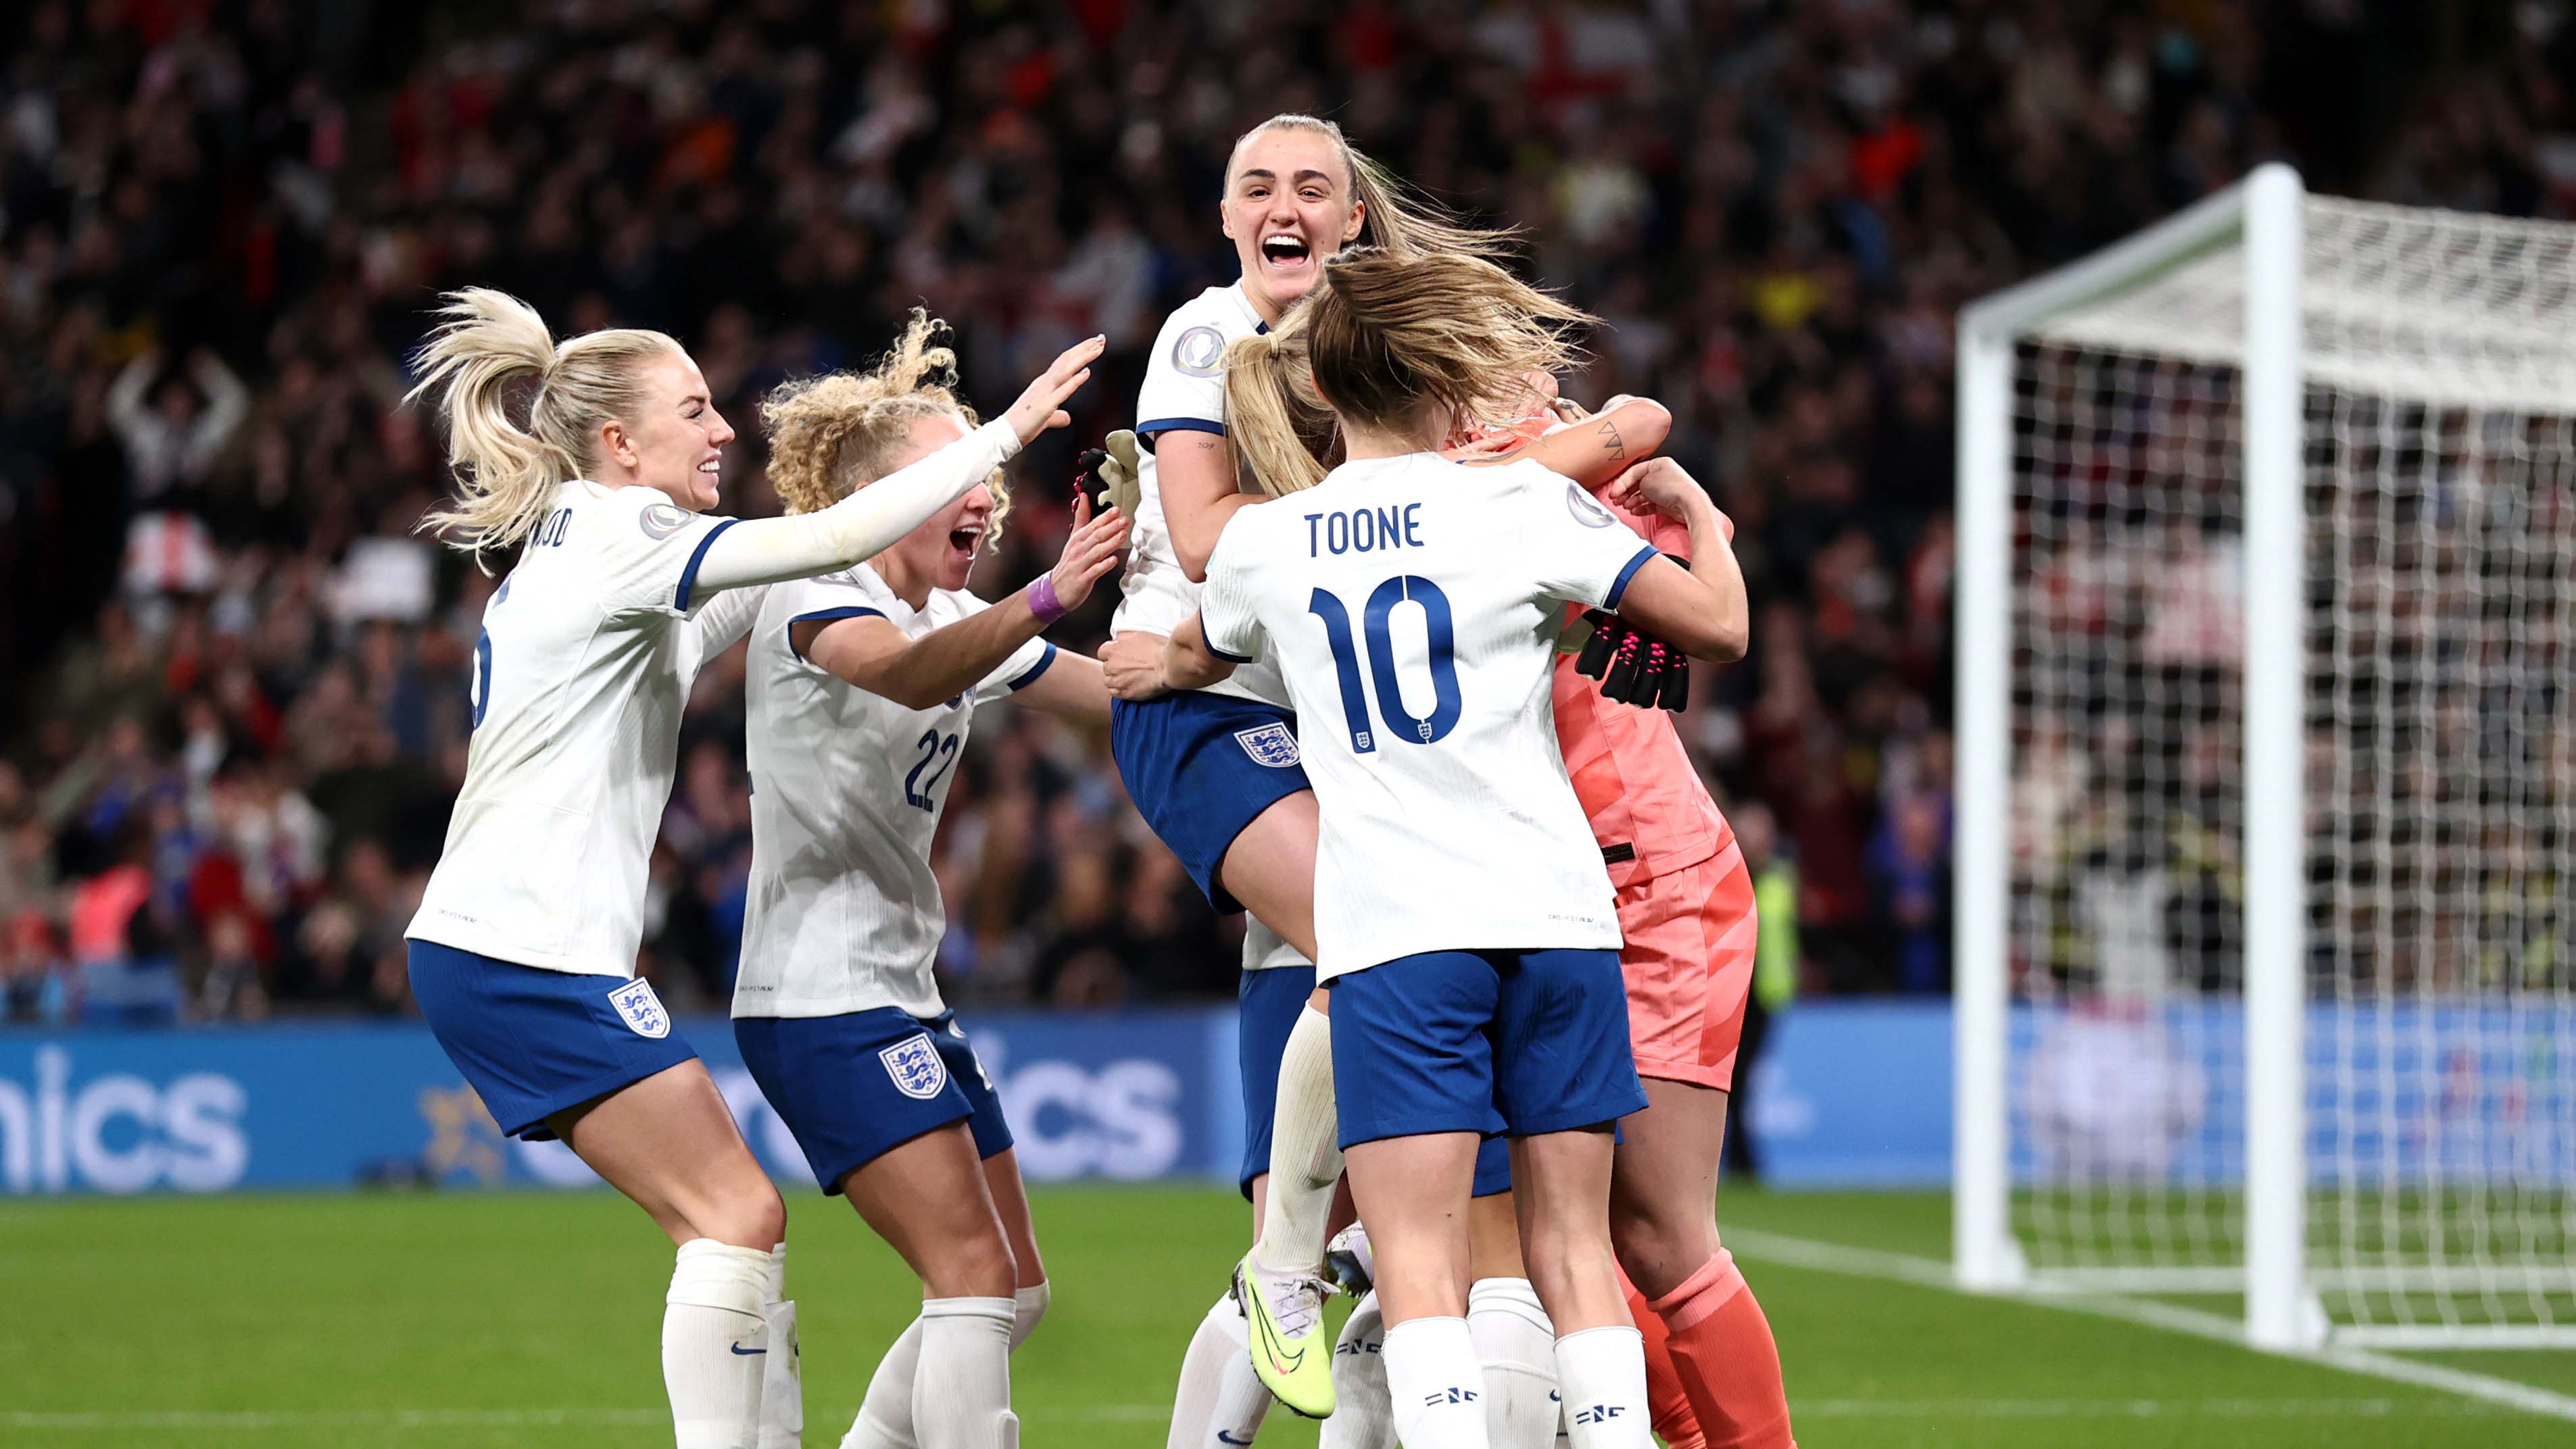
point(1271, 744)
point(915, 1066)
point(640, 1009)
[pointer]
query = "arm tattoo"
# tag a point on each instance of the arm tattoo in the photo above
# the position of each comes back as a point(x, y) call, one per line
point(1610, 439)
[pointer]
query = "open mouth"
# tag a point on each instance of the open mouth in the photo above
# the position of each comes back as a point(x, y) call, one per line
point(966, 538)
point(1286, 251)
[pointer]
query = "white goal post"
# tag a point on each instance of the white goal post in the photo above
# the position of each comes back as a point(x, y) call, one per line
point(2266, 773)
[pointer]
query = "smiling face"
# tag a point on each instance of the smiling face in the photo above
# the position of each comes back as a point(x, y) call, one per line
point(675, 443)
point(1288, 205)
point(939, 552)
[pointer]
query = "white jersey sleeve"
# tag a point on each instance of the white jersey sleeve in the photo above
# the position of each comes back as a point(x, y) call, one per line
point(1017, 672)
point(648, 550)
point(1184, 387)
point(1227, 621)
point(1575, 549)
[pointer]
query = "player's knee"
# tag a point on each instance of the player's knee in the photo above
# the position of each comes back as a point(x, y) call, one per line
point(975, 1265)
point(1657, 1243)
point(748, 1214)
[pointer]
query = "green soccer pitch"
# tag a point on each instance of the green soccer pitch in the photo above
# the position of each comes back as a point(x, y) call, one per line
point(529, 1319)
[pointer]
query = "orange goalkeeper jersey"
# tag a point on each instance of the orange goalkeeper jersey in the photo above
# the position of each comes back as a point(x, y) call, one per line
point(1645, 800)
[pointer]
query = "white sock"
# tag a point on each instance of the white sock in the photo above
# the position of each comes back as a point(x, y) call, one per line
point(961, 1389)
point(1436, 1384)
point(1220, 1402)
point(715, 1344)
point(1517, 1346)
point(782, 1376)
point(1603, 1371)
point(1031, 1303)
point(885, 1416)
point(1305, 1151)
point(1366, 1416)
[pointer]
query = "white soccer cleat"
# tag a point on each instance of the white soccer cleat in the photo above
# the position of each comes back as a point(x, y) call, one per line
point(1348, 1263)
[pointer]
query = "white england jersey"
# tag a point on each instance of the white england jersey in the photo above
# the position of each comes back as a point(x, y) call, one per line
point(847, 787)
point(1413, 604)
point(584, 665)
point(1184, 392)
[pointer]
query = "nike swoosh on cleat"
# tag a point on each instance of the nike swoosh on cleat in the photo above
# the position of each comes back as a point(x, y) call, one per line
point(746, 1352)
point(1226, 1438)
point(1278, 1360)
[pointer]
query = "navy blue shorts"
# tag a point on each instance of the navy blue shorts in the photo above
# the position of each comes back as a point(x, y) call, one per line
point(533, 1043)
point(857, 1086)
point(1200, 767)
point(1516, 1042)
point(1493, 1167)
point(1269, 1003)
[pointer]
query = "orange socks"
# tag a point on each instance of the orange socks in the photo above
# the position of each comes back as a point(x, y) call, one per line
point(1665, 1400)
point(1723, 1352)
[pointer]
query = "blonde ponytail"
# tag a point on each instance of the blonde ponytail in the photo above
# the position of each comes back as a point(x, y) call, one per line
point(829, 435)
point(1387, 335)
point(1279, 423)
point(507, 474)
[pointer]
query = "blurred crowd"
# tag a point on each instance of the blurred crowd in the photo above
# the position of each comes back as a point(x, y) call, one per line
point(234, 678)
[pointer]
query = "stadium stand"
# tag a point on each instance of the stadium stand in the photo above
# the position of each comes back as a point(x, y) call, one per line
point(234, 688)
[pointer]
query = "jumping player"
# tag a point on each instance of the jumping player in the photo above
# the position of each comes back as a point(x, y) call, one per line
point(861, 686)
point(1504, 1317)
point(522, 955)
point(1475, 972)
point(1216, 773)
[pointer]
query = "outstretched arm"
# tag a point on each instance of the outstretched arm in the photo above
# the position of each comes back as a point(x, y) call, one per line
point(1072, 688)
point(871, 519)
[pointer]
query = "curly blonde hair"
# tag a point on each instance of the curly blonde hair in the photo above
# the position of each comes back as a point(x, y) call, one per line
point(832, 434)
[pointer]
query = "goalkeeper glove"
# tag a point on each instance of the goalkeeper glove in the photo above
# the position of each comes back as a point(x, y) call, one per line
point(1633, 668)
point(1112, 469)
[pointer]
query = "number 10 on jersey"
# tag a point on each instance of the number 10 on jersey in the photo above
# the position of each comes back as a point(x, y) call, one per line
point(1403, 588)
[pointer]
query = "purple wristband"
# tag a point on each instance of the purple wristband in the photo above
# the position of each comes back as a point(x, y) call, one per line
point(1043, 602)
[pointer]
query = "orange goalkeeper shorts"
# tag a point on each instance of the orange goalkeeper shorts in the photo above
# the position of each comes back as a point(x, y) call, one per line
point(1689, 966)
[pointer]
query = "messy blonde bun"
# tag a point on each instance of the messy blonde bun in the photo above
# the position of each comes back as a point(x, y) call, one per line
point(830, 434)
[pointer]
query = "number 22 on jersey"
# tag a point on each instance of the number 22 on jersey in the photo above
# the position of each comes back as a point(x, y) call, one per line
point(1445, 705)
point(938, 753)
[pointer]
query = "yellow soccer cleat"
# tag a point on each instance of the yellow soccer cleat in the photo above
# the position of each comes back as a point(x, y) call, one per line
point(1285, 1313)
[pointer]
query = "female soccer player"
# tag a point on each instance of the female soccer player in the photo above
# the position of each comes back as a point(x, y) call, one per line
point(1216, 773)
point(1461, 907)
point(1686, 915)
point(523, 952)
point(861, 686)
point(1686, 912)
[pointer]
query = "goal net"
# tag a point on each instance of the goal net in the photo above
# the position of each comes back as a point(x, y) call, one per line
point(2331, 848)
